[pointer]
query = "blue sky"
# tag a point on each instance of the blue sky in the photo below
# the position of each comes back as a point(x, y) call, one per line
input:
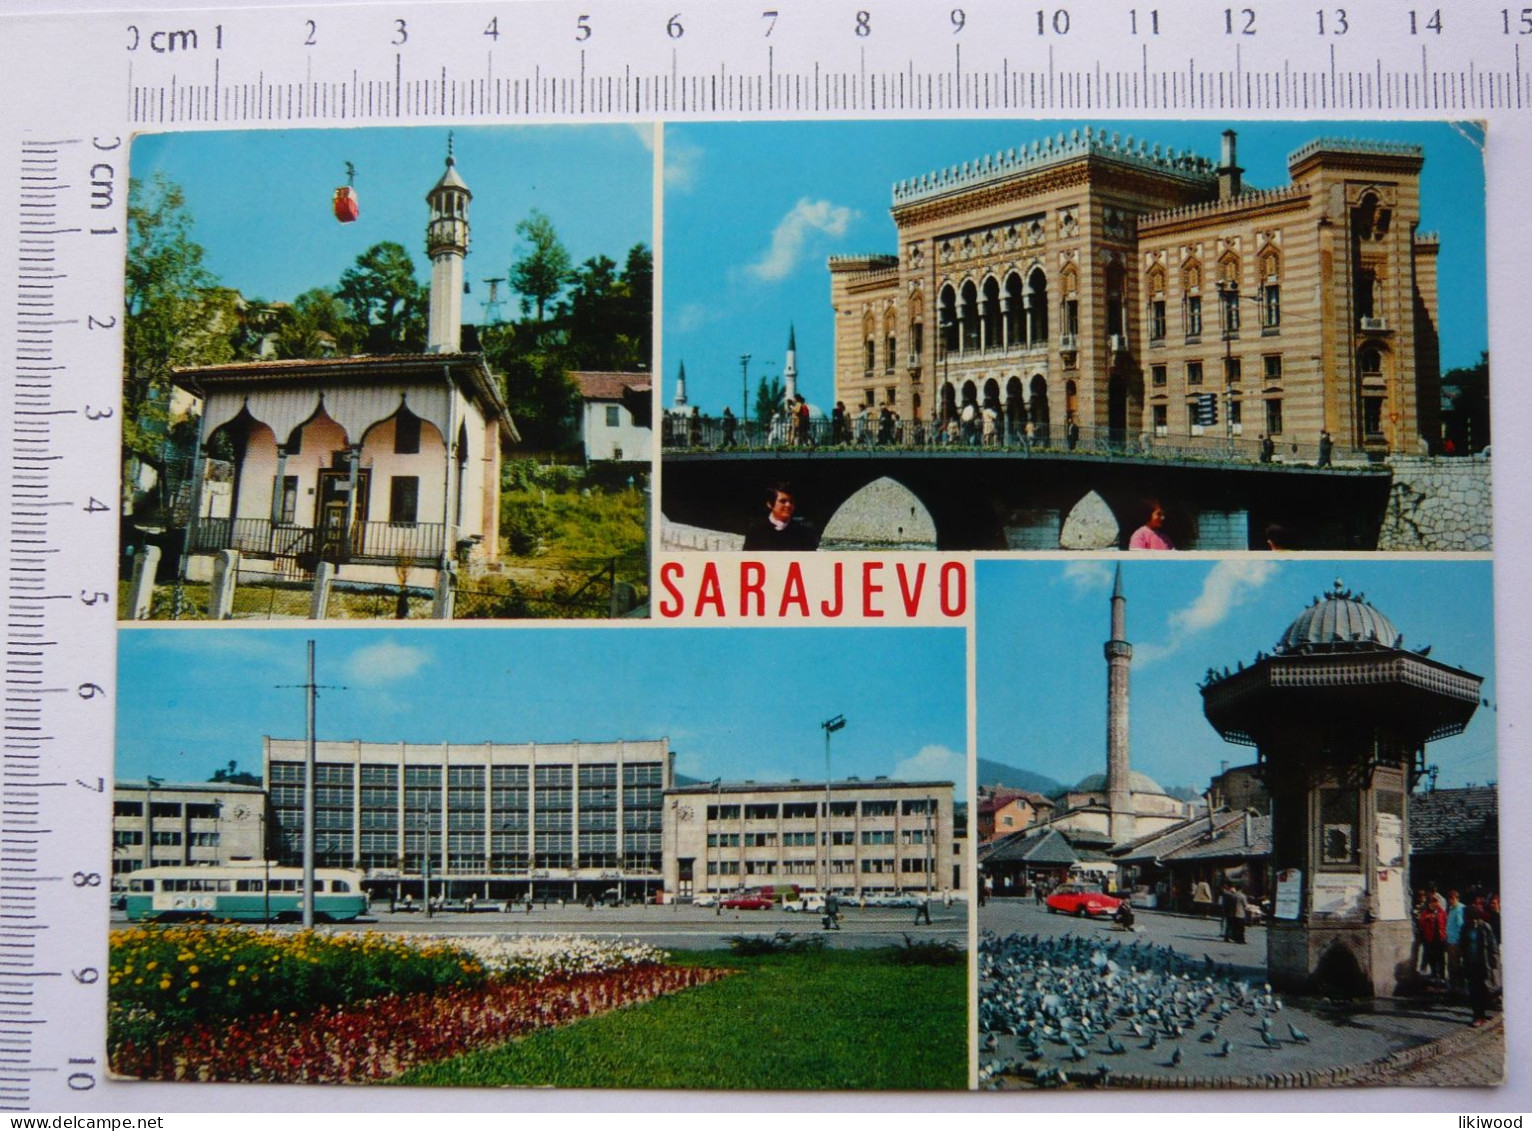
point(752, 211)
point(1042, 678)
point(261, 198)
point(744, 703)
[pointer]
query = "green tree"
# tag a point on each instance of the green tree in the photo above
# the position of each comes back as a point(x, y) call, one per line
point(768, 399)
point(541, 272)
point(538, 391)
point(387, 305)
point(1465, 406)
point(235, 776)
point(175, 313)
point(315, 324)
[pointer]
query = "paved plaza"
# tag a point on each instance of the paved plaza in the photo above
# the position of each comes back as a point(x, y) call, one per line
point(1392, 1041)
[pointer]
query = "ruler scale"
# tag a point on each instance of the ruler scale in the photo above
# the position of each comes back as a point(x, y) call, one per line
point(647, 59)
point(54, 768)
point(503, 63)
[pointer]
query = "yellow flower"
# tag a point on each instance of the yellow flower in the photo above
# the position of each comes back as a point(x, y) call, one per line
point(151, 966)
point(196, 985)
point(164, 983)
point(191, 969)
point(233, 982)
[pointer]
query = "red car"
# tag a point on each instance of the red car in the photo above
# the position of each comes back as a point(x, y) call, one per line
point(1081, 900)
point(747, 902)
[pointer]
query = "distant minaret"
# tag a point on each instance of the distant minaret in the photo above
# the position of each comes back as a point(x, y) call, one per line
point(1119, 657)
point(680, 401)
point(790, 367)
point(447, 244)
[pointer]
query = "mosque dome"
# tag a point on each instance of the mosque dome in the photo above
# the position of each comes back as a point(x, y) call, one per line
point(1137, 783)
point(1340, 621)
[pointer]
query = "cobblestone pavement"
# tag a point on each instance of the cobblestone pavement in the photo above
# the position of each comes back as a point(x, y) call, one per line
point(1391, 1042)
point(1475, 1062)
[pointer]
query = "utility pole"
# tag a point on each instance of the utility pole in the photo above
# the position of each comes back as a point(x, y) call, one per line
point(311, 697)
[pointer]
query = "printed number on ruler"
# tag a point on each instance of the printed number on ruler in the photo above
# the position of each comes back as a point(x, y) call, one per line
point(658, 59)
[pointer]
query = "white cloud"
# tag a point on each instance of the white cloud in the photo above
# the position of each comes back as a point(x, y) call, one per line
point(1087, 576)
point(695, 315)
point(790, 241)
point(644, 131)
point(936, 763)
point(1228, 585)
point(683, 162)
point(385, 662)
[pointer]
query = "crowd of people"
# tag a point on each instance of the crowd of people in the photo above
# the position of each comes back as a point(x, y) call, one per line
point(1457, 945)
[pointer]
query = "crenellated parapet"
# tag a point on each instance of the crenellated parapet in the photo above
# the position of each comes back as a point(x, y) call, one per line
point(1055, 150)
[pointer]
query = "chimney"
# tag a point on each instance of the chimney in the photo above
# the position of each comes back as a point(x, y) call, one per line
point(1228, 171)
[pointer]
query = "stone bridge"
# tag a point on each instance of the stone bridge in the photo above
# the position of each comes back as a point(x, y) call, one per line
point(976, 499)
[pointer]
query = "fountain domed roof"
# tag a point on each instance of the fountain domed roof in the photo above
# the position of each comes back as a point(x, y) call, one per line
point(1339, 621)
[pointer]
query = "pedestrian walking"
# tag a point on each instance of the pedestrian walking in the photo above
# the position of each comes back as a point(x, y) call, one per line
point(923, 909)
point(1326, 448)
point(832, 912)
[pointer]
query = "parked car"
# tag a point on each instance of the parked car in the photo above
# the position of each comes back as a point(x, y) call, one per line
point(747, 901)
point(1081, 900)
point(704, 901)
point(811, 902)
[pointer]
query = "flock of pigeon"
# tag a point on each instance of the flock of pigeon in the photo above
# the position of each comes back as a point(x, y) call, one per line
point(1073, 1003)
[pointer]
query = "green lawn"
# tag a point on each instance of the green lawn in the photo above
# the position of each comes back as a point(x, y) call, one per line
point(827, 1020)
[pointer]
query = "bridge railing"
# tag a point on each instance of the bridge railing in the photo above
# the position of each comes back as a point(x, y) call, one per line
point(891, 433)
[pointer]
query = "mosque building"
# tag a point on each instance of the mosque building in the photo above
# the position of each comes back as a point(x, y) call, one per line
point(376, 464)
point(1103, 811)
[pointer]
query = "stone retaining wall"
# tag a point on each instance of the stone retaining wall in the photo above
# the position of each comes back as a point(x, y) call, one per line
point(1438, 504)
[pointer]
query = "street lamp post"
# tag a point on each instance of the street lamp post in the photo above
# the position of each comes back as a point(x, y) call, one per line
point(153, 783)
point(830, 726)
point(744, 391)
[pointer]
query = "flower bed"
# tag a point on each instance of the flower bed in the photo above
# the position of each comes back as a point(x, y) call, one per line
point(545, 956)
point(179, 976)
point(390, 1035)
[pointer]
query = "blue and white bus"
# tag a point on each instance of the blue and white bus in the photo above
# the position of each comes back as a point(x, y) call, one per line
point(243, 892)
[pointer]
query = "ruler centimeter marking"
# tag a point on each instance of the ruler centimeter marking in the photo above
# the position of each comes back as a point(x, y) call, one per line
point(868, 57)
point(49, 978)
point(34, 366)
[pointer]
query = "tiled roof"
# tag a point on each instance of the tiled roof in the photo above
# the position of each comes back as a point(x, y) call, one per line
point(1456, 821)
point(603, 386)
point(469, 369)
point(1232, 838)
point(1029, 846)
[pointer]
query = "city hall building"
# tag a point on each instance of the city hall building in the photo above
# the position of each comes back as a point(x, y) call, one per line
point(493, 820)
point(878, 836)
point(1138, 292)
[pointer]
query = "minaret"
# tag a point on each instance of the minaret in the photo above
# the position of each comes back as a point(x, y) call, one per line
point(447, 244)
point(680, 401)
point(1119, 657)
point(790, 366)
